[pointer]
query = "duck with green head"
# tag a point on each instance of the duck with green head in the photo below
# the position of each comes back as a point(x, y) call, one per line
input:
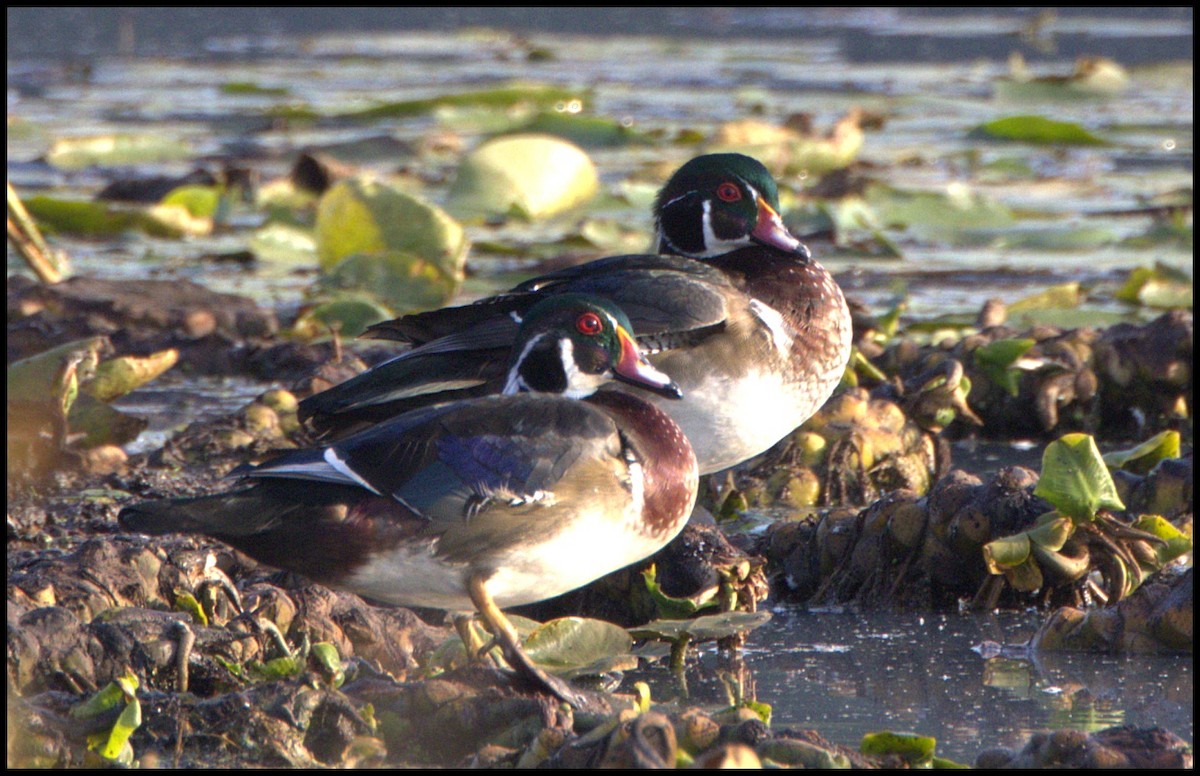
point(481, 503)
point(733, 307)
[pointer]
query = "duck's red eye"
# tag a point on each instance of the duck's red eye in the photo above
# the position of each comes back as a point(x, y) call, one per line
point(729, 192)
point(589, 324)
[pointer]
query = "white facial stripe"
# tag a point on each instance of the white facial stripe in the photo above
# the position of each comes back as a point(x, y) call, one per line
point(713, 245)
point(514, 383)
point(580, 385)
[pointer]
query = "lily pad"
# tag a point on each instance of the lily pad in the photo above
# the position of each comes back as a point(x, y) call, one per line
point(1160, 287)
point(1062, 296)
point(708, 628)
point(403, 282)
point(1075, 480)
point(349, 316)
point(915, 750)
point(99, 219)
point(284, 244)
point(671, 607)
point(578, 646)
point(1144, 457)
point(585, 131)
point(367, 216)
point(53, 375)
point(530, 176)
point(101, 423)
point(502, 99)
point(937, 214)
point(1175, 542)
point(997, 360)
point(199, 201)
point(74, 153)
point(1036, 129)
point(116, 377)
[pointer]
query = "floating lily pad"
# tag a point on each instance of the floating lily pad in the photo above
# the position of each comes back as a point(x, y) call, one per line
point(937, 214)
point(1144, 457)
point(997, 360)
point(1036, 129)
point(363, 216)
point(99, 219)
point(1062, 296)
point(199, 201)
point(502, 98)
point(1175, 542)
point(73, 153)
point(708, 628)
point(349, 316)
point(1160, 287)
point(284, 244)
point(101, 423)
point(578, 646)
point(530, 176)
point(403, 282)
point(671, 607)
point(118, 376)
point(585, 131)
point(250, 89)
point(915, 750)
point(53, 375)
point(1075, 480)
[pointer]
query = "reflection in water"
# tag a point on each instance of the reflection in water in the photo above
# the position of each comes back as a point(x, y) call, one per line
point(846, 675)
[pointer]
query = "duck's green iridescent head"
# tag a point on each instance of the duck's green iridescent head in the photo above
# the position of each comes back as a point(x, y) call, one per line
point(571, 344)
point(718, 203)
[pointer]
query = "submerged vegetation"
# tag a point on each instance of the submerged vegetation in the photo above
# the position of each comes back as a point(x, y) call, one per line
point(1019, 262)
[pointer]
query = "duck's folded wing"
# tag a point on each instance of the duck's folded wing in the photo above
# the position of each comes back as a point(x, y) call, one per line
point(660, 294)
point(449, 462)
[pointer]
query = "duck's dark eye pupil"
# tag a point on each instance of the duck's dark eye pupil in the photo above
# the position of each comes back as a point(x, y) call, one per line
point(589, 323)
point(729, 192)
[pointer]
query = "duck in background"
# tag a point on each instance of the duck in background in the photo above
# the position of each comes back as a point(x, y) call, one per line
point(481, 503)
point(755, 332)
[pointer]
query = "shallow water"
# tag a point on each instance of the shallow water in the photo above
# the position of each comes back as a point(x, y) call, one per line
point(931, 74)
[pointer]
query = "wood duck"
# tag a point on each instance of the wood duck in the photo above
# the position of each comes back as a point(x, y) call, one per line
point(754, 331)
point(480, 503)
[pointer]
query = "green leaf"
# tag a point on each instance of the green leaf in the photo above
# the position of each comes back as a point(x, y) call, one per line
point(669, 607)
point(530, 176)
point(1051, 532)
point(502, 99)
point(116, 377)
point(996, 360)
point(578, 646)
point(1006, 553)
point(362, 216)
point(915, 750)
point(73, 153)
point(1160, 287)
point(403, 282)
point(585, 131)
point(329, 662)
point(1144, 457)
point(349, 315)
point(1036, 129)
point(200, 201)
point(707, 628)
point(1177, 543)
point(53, 375)
point(1075, 480)
point(187, 602)
point(1065, 295)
